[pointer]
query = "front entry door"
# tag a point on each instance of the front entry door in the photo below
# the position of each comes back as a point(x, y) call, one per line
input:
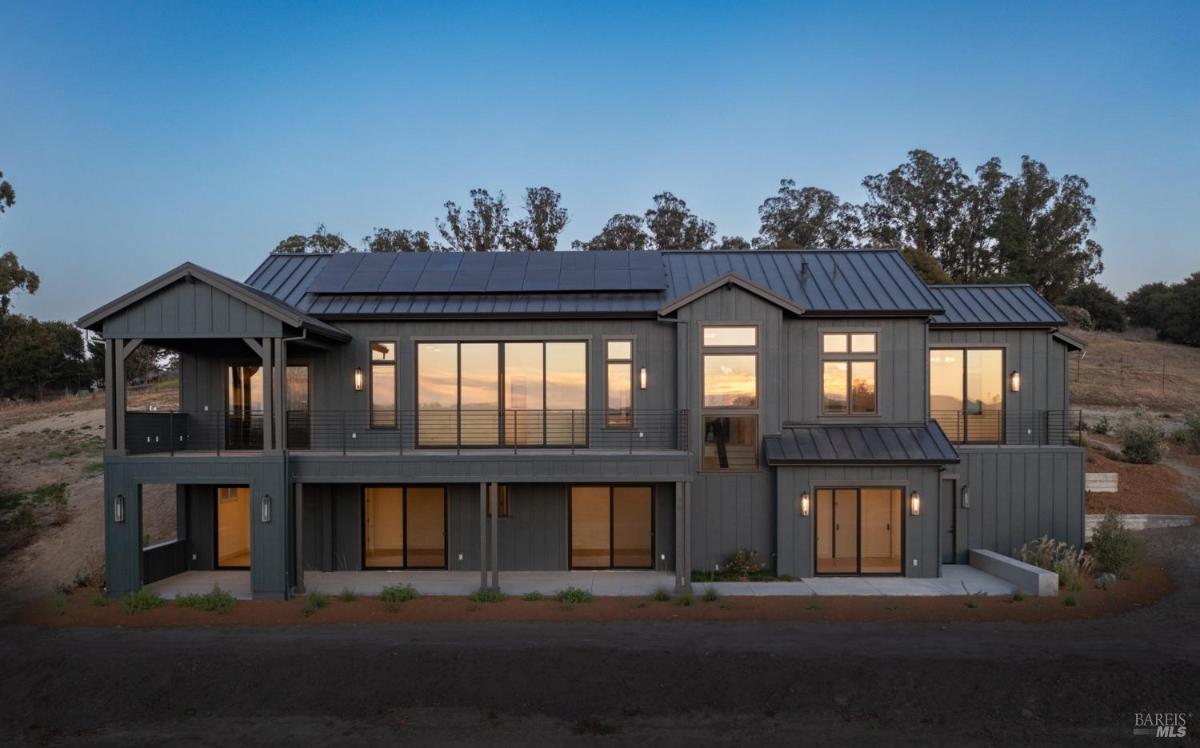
point(858, 531)
point(233, 527)
point(947, 520)
point(612, 527)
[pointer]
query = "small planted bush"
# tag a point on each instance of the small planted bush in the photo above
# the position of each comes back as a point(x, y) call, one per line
point(348, 595)
point(59, 603)
point(533, 597)
point(662, 594)
point(1102, 425)
point(99, 600)
point(486, 595)
point(1114, 547)
point(1070, 600)
point(744, 563)
point(1191, 431)
point(1143, 440)
point(313, 602)
point(684, 599)
point(711, 595)
point(143, 599)
point(216, 601)
point(573, 596)
point(398, 593)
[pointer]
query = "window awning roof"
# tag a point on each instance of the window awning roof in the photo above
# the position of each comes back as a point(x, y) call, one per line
point(914, 444)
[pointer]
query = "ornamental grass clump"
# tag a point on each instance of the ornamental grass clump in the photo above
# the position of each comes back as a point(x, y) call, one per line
point(1070, 563)
point(744, 564)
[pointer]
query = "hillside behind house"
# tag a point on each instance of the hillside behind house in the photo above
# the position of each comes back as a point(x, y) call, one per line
point(1120, 371)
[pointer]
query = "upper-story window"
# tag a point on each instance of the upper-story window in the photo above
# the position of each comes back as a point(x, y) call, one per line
point(383, 385)
point(848, 373)
point(729, 397)
point(966, 393)
point(481, 394)
point(618, 378)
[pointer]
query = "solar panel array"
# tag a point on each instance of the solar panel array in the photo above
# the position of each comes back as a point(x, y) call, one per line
point(489, 272)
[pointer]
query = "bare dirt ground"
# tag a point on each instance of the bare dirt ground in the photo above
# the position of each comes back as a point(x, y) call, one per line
point(1076, 683)
point(51, 493)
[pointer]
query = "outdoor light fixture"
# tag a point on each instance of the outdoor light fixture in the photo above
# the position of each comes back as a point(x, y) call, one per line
point(805, 504)
point(966, 498)
point(1014, 381)
point(642, 380)
point(358, 380)
point(266, 508)
point(119, 508)
point(914, 504)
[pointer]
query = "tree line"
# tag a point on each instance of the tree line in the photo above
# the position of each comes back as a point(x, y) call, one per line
point(1172, 310)
point(988, 226)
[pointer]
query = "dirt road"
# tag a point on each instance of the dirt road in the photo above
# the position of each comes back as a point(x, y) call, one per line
point(667, 683)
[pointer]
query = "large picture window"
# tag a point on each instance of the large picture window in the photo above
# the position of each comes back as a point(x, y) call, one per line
point(848, 373)
point(729, 397)
point(966, 393)
point(383, 385)
point(482, 394)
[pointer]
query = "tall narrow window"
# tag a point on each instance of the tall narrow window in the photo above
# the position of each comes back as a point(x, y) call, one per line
point(729, 396)
point(848, 373)
point(244, 423)
point(383, 385)
point(437, 394)
point(618, 366)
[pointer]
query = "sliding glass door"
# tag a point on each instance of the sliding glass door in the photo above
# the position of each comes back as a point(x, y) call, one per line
point(404, 527)
point(859, 531)
point(612, 527)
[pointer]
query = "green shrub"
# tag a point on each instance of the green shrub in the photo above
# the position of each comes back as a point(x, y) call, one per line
point(711, 595)
point(1191, 431)
point(1143, 440)
point(1069, 576)
point(533, 597)
point(486, 595)
point(573, 596)
point(662, 594)
point(99, 600)
point(399, 593)
point(1018, 597)
point(313, 602)
point(685, 599)
point(1115, 548)
point(744, 563)
point(1070, 600)
point(1102, 425)
point(348, 595)
point(141, 600)
point(216, 601)
point(59, 603)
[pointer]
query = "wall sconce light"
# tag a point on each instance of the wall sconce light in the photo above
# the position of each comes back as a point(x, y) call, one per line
point(358, 380)
point(805, 504)
point(266, 508)
point(914, 504)
point(966, 498)
point(642, 379)
point(1014, 381)
point(119, 508)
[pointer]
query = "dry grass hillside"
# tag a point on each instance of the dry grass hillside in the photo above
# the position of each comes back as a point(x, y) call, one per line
point(51, 489)
point(1125, 370)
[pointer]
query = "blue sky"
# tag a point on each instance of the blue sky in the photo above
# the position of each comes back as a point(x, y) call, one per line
point(142, 135)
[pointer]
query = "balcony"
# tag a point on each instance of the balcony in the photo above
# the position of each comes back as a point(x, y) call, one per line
point(412, 432)
point(982, 426)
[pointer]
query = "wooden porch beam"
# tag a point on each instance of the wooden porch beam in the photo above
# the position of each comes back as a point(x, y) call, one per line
point(130, 346)
point(254, 346)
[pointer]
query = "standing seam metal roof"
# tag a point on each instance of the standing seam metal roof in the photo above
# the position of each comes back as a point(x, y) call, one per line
point(994, 305)
point(878, 445)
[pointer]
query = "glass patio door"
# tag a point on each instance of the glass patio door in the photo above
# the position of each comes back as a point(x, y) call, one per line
point(404, 528)
point(858, 531)
point(612, 527)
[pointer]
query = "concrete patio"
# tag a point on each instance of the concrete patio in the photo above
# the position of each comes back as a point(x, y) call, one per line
point(955, 580)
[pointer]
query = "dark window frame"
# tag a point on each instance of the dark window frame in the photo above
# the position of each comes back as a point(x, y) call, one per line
point(627, 423)
point(611, 552)
point(847, 357)
point(1002, 436)
point(901, 488)
point(731, 411)
point(362, 531)
point(395, 365)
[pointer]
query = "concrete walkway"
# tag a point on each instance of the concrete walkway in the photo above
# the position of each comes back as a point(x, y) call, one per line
point(955, 580)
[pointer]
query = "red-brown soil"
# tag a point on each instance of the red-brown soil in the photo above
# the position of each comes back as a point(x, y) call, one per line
point(1144, 489)
point(1149, 584)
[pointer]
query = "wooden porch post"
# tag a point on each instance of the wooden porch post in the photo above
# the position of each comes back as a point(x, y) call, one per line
point(687, 536)
point(493, 492)
point(680, 534)
point(299, 510)
point(483, 557)
point(279, 412)
point(110, 394)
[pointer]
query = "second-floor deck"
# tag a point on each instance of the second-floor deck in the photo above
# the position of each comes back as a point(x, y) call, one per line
point(427, 432)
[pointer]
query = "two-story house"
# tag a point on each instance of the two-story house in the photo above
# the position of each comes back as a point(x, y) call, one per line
point(588, 410)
